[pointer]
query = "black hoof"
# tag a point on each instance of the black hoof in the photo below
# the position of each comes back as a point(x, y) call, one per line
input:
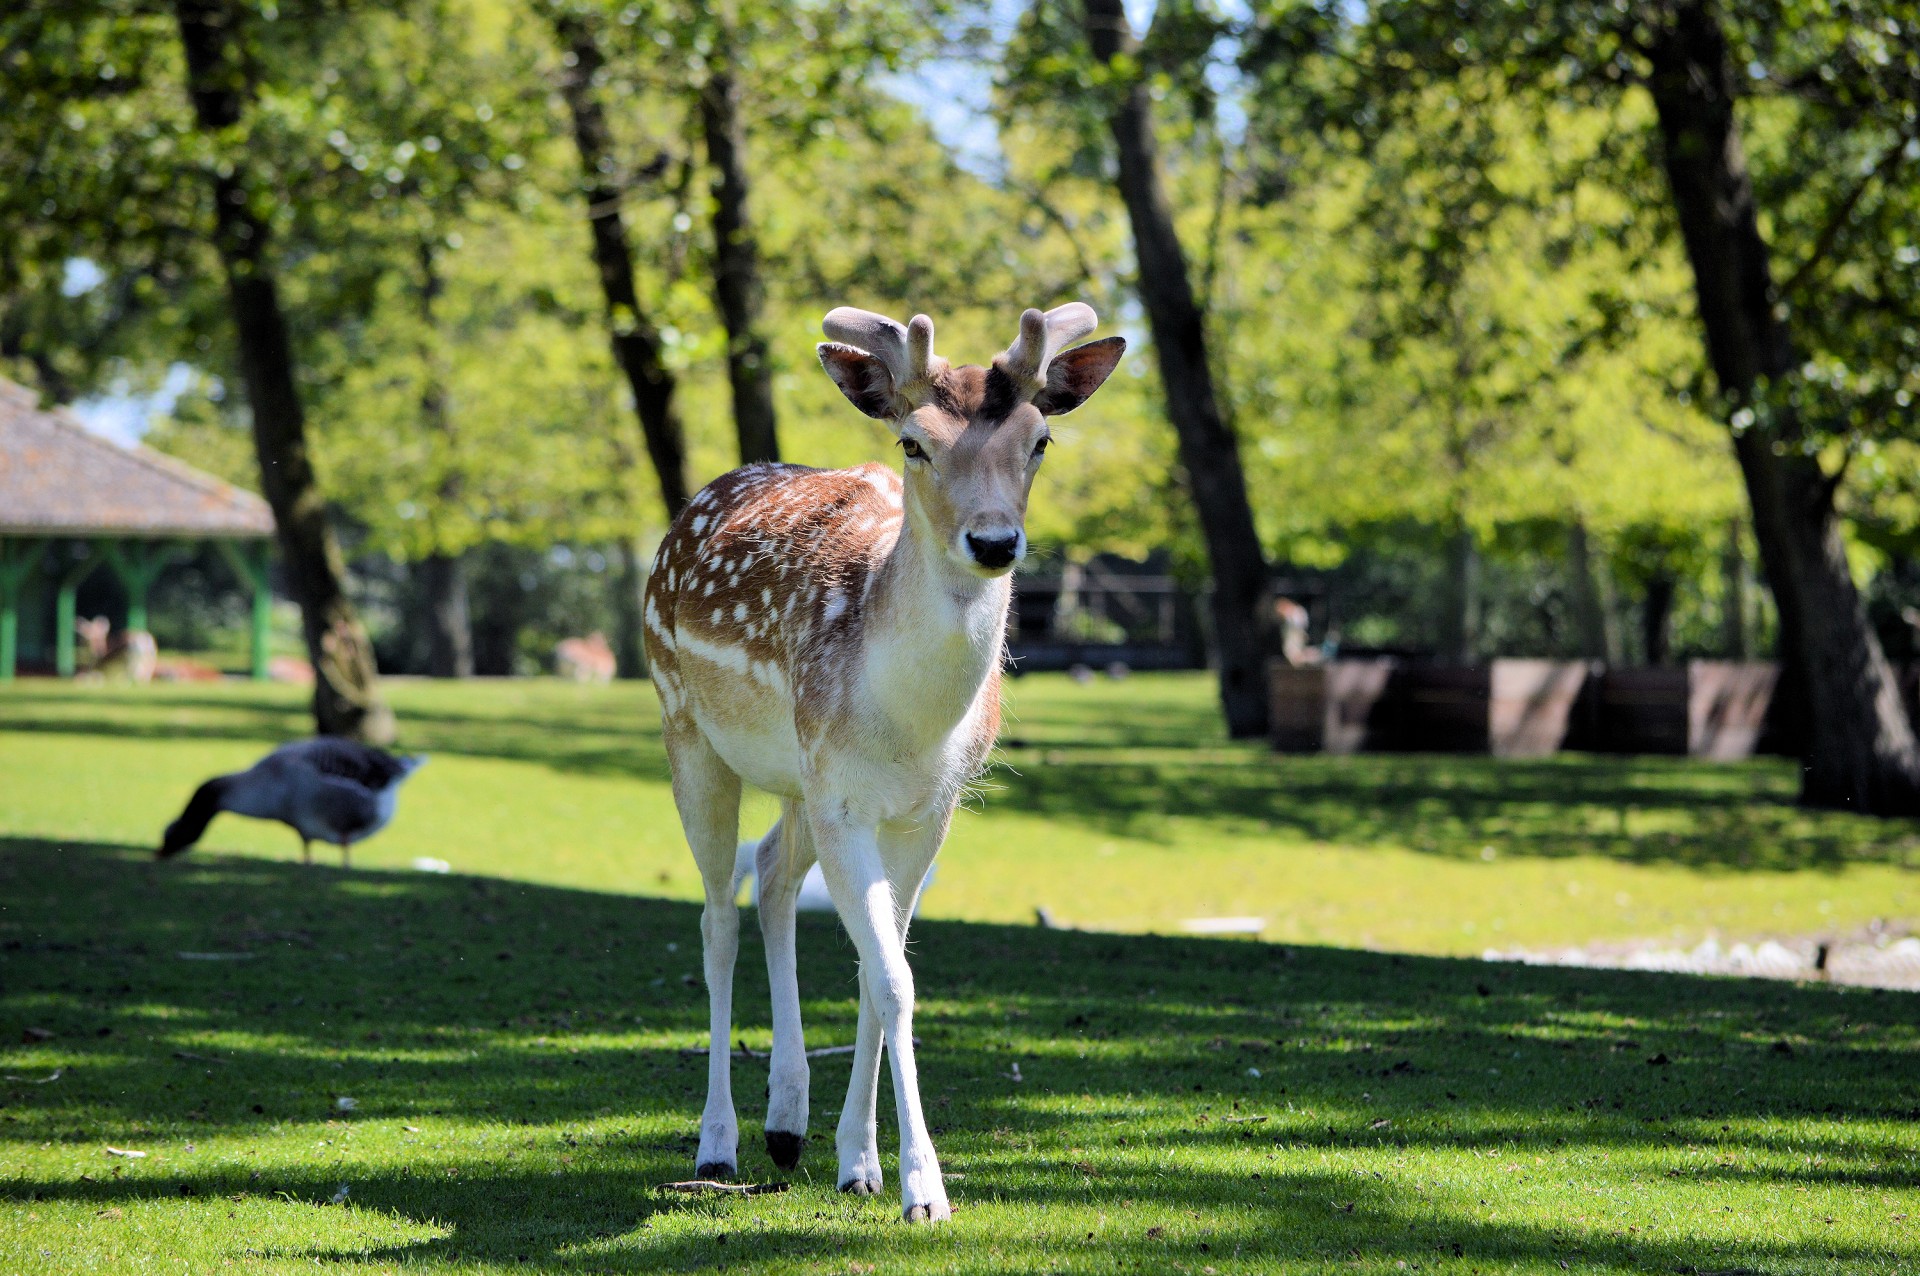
point(784, 1148)
point(861, 1187)
point(716, 1170)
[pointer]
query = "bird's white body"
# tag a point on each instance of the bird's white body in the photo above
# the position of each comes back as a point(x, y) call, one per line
point(325, 789)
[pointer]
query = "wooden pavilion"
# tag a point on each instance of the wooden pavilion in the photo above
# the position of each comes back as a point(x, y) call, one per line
point(72, 502)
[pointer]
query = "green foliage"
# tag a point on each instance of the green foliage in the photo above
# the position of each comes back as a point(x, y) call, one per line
point(1441, 282)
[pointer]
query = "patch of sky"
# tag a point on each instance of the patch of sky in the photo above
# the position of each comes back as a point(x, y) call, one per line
point(80, 277)
point(955, 94)
point(127, 408)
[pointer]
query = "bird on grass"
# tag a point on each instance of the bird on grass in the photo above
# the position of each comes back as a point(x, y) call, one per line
point(325, 789)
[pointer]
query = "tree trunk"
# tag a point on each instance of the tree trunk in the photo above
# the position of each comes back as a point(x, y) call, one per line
point(498, 606)
point(1860, 749)
point(1656, 618)
point(736, 265)
point(443, 575)
point(1592, 616)
point(636, 342)
point(346, 696)
point(1209, 452)
point(1733, 595)
point(1460, 623)
point(629, 591)
point(443, 580)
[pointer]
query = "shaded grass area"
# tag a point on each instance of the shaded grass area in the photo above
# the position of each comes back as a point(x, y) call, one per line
point(515, 1054)
point(1116, 806)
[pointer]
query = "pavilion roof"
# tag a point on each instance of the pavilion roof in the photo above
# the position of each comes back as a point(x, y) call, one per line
point(58, 478)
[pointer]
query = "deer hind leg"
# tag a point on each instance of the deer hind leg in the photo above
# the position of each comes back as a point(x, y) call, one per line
point(872, 908)
point(785, 854)
point(707, 793)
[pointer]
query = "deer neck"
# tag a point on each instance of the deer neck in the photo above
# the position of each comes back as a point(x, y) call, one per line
point(935, 632)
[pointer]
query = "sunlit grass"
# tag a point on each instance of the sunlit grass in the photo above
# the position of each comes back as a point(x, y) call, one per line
point(1116, 806)
point(516, 1057)
point(514, 1037)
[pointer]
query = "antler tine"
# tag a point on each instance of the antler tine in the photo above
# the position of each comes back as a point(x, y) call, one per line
point(907, 351)
point(1041, 337)
point(878, 335)
point(919, 347)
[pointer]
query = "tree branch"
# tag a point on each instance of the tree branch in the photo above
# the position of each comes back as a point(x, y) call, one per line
point(1830, 233)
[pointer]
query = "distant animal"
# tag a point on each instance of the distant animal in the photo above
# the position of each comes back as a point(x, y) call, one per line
point(184, 669)
point(325, 789)
point(290, 669)
point(132, 655)
point(587, 659)
point(835, 638)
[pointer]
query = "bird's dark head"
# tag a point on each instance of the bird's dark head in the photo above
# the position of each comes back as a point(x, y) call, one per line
point(176, 839)
point(207, 801)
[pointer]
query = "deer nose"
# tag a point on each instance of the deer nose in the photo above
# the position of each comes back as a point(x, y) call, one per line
point(993, 551)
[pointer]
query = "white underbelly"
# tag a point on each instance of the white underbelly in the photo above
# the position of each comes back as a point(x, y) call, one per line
point(763, 749)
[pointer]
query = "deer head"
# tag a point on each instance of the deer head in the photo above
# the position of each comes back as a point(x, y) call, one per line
point(94, 633)
point(973, 437)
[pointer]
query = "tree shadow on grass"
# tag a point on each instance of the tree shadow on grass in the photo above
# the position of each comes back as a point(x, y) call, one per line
point(1087, 769)
point(513, 1008)
point(1647, 811)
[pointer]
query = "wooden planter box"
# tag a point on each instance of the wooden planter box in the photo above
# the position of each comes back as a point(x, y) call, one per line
point(1727, 704)
point(1531, 714)
point(1339, 707)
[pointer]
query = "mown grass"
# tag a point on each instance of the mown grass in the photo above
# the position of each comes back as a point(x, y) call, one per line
point(516, 1054)
point(1117, 806)
point(514, 1039)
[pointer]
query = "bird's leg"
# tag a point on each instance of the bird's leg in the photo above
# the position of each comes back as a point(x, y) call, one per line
point(306, 849)
point(346, 855)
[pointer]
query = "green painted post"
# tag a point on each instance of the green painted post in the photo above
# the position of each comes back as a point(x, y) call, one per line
point(137, 565)
point(64, 615)
point(17, 561)
point(254, 569)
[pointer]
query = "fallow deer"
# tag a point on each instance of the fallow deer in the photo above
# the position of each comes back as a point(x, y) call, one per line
point(132, 655)
point(834, 637)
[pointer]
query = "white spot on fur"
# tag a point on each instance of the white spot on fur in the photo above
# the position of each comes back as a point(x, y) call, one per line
point(657, 625)
point(725, 654)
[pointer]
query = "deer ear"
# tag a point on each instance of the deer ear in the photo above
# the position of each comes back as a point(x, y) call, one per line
point(862, 377)
point(1073, 375)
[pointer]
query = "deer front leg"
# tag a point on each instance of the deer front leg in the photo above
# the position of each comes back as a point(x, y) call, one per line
point(784, 857)
point(858, 879)
point(907, 855)
point(707, 793)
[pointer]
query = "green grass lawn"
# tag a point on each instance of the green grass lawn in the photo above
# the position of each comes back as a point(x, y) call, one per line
point(513, 1036)
point(1117, 806)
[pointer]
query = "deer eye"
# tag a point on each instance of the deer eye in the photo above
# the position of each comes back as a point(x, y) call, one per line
point(1040, 448)
point(913, 449)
